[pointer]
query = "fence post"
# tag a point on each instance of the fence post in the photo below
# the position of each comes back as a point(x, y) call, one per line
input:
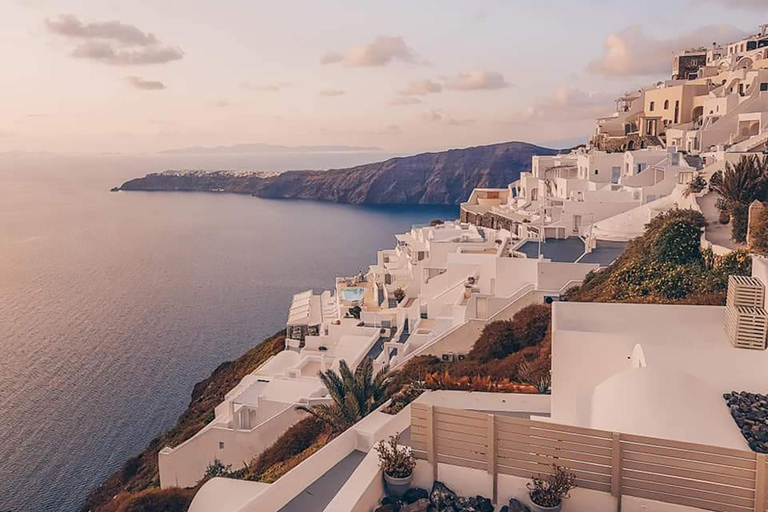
point(616, 468)
point(490, 455)
point(431, 441)
point(761, 482)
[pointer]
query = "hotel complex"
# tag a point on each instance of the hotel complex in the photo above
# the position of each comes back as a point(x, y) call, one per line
point(636, 407)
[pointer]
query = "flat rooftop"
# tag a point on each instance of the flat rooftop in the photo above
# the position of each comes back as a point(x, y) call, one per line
point(571, 250)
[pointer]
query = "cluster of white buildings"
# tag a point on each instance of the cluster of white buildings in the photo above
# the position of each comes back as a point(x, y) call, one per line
point(713, 111)
point(657, 371)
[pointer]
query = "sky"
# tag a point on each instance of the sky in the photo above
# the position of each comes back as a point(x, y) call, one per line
point(141, 76)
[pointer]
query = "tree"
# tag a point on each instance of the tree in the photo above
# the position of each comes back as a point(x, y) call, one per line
point(217, 468)
point(354, 395)
point(739, 185)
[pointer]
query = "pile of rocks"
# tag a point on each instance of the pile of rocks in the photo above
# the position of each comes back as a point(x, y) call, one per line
point(750, 412)
point(443, 499)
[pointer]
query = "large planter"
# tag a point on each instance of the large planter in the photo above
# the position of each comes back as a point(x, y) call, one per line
point(397, 486)
point(538, 508)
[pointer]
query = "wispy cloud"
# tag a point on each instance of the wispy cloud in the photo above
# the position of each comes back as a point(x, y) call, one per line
point(437, 116)
point(475, 80)
point(113, 42)
point(566, 104)
point(421, 88)
point(146, 85)
point(747, 4)
point(270, 87)
point(380, 52)
point(332, 92)
point(401, 101)
point(631, 52)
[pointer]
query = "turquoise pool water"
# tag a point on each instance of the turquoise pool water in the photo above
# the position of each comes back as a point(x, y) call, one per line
point(352, 294)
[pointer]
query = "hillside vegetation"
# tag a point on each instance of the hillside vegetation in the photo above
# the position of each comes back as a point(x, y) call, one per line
point(665, 265)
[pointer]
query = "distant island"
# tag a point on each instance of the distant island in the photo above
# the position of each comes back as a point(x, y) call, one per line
point(441, 178)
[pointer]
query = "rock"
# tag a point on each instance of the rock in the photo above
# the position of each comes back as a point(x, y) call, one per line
point(517, 506)
point(387, 508)
point(505, 508)
point(442, 497)
point(414, 494)
point(395, 504)
point(484, 504)
point(420, 505)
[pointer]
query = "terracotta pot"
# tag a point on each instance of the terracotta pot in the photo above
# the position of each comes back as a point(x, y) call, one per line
point(538, 508)
point(397, 486)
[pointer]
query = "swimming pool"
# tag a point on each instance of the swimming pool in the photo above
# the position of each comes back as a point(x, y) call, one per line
point(352, 294)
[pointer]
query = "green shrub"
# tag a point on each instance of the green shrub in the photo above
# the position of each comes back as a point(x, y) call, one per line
point(678, 241)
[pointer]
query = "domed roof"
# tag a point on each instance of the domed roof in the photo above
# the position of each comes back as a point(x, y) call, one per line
point(665, 404)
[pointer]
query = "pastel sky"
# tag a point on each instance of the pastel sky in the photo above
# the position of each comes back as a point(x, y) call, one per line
point(401, 75)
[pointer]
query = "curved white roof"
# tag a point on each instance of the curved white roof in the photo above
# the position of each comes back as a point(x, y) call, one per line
point(223, 494)
point(664, 404)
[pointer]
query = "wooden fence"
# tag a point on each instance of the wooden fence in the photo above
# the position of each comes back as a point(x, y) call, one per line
point(706, 477)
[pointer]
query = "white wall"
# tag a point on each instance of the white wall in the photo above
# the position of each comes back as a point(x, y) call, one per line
point(185, 465)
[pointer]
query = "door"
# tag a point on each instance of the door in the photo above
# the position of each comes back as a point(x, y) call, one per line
point(615, 174)
point(576, 223)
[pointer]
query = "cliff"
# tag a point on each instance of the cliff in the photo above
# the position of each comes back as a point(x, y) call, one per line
point(446, 177)
point(139, 474)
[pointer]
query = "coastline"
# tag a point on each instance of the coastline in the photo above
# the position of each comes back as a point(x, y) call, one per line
point(140, 472)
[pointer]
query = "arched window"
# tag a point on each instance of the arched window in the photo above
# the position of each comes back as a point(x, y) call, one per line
point(666, 104)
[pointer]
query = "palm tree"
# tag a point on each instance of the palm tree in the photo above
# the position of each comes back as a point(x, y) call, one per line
point(739, 185)
point(354, 395)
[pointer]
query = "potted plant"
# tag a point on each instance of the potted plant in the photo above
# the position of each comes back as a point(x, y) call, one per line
point(397, 464)
point(547, 492)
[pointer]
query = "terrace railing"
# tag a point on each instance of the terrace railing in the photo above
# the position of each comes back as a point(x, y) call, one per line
point(694, 475)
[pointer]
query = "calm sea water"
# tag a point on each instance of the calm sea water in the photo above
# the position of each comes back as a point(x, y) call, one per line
point(113, 305)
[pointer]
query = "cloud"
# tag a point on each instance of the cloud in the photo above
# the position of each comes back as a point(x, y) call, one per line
point(421, 88)
point(69, 26)
point(405, 100)
point(380, 52)
point(437, 116)
point(332, 92)
point(146, 85)
point(477, 80)
point(272, 87)
point(113, 42)
point(566, 104)
point(631, 52)
point(222, 103)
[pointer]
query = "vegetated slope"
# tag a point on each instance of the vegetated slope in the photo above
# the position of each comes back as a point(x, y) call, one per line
point(141, 472)
point(665, 265)
point(446, 177)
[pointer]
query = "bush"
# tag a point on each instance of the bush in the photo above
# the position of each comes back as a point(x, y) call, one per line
point(402, 398)
point(504, 337)
point(294, 441)
point(399, 295)
point(217, 468)
point(678, 241)
point(759, 233)
point(739, 221)
point(158, 500)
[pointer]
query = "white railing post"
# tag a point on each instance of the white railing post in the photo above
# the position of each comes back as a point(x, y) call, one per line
point(431, 441)
point(491, 455)
point(761, 482)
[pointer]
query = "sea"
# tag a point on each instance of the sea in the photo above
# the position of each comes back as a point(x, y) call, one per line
point(113, 305)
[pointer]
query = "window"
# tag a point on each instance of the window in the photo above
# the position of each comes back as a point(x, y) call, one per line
point(221, 445)
point(653, 105)
point(763, 86)
point(596, 173)
point(666, 105)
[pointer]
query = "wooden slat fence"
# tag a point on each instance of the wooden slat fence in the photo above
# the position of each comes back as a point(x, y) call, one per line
point(706, 477)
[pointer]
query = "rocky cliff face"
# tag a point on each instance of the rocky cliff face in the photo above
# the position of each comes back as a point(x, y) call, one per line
point(447, 178)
